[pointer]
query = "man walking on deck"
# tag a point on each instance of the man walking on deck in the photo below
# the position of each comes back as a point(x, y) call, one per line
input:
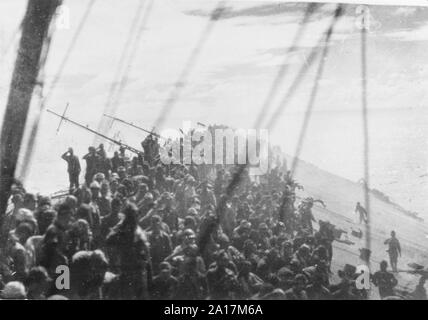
point(394, 249)
point(73, 168)
point(362, 212)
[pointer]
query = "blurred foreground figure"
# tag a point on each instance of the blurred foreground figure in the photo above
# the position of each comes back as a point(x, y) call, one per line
point(385, 281)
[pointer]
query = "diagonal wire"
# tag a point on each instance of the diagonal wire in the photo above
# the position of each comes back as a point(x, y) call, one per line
point(302, 72)
point(241, 168)
point(68, 52)
point(129, 64)
point(310, 104)
point(284, 67)
point(11, 41)
point(365, 132)
point(190, 64)
point(35, 127)
point(337, 14)
point(105, 124)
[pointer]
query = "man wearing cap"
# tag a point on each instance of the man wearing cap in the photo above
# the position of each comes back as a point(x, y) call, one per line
point(206, 194)
point(123, 155)
point(164, 285)
point(14, 290)
point(30, 201)
point(420, 292)
point(116, 162)
point(73, 168)
point(87, 274)
point(110, 220)
point(195, 205)
point(362, 212)
point(104, 200)
point(95, 195)
point(192, 285)
point(16, 258)
point(316, 290)
point(297, 291)
point(160, 243)
point(91, 164)
point(142, 189)
point(241, 234)
point(10, 219)
point(301, 258)
point(168, 212)
point(55, 243)
point(346, 289)
point(384, 280)
point(249, 282)
point(94, 214)
point(306, 215)
point(394, 250)
point(37, 283)
point(188, 238)
point(132, 247)
point(121, 171)
point(222, 281)
point(104, 166)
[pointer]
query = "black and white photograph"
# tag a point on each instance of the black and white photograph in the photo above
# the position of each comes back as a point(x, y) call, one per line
point(226, 151)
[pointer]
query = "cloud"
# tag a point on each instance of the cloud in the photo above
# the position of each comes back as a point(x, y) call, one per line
point(254, 11)
point(404, 11)
point(418, 34)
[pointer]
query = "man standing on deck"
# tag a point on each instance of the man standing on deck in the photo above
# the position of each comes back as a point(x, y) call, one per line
point(363, 213)
point(394, 249)
point(73, 169)
point(91, 165)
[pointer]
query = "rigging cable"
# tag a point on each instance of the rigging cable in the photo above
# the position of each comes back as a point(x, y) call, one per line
point(302, 72)
point(284, 66)
point(106, 124)
point(310, 104)
point(11, 41)
point(365, 133)
point(190, 64)
point(238, 174)
point(134, 50)
point(35, 127)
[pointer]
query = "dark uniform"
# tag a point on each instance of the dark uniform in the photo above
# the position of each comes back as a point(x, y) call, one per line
point(386, 282)
point(73, 168)
point(362, 212)
point(394, 249)
point(91, 165)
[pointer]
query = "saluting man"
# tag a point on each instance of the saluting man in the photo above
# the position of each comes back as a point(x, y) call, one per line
point(73, 168)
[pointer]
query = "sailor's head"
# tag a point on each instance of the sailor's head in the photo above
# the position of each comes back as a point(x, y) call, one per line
point(383, 265)
point(70, 150)
point(91, 149)
point(393, 233)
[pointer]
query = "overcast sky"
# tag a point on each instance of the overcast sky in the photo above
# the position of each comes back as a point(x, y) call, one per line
point(231, 76)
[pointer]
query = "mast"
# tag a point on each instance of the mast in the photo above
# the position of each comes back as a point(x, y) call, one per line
point(35, 27)
point(96, 133)
point(133, 125)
